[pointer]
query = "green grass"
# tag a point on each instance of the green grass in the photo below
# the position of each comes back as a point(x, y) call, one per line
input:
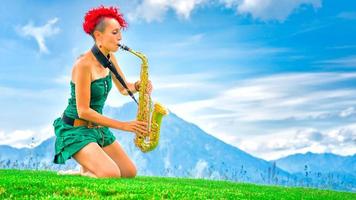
point(27, 184)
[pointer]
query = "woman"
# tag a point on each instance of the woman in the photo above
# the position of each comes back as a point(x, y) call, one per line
point(83, 132)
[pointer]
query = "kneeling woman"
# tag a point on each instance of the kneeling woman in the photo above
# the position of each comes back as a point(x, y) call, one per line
point(83, 132)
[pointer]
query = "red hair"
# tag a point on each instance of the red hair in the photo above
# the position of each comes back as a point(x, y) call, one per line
point(93, 16)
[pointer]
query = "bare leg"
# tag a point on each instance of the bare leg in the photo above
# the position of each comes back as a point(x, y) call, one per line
point(118, 155)
point(85, 172)
point(96, 162)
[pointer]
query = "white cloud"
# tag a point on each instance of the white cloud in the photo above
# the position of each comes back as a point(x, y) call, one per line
point(348, 112)
point(191, 80)
point(23, 138)
point(192, 40)
point(269, 9)
point(116, 99)
point(262, 105)
point(63, 80)
point(349, 61)
point(239, 51)
point(28, 94)
point(24, 103)
point(154, 10)
point(40, 33)
point(339, 140)
point(275, 97)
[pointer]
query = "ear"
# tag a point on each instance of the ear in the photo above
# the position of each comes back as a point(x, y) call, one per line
point(97, 34)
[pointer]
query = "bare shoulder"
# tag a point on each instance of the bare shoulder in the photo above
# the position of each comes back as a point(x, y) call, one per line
point(82, 66)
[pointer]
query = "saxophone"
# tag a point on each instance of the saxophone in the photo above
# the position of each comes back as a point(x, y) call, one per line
point(144, 112)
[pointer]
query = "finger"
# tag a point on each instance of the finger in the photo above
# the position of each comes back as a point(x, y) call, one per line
point(142, 126)
point(142, 132)
point(134, 129)
point(143, 123)
point(145, 133)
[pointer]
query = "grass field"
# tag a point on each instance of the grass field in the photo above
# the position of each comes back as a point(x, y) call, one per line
point(27, 184)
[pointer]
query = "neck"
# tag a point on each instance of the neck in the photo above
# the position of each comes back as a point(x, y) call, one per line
point(104, 51)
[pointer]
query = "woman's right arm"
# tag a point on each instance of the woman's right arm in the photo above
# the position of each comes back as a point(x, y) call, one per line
point(82, 92)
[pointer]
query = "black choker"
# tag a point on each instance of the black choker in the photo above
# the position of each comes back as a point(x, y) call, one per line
point(103, 60)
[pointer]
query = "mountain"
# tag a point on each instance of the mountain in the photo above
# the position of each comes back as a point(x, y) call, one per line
point(324, 162)
point(185, 150)
point(8, 152)
point(339, 172)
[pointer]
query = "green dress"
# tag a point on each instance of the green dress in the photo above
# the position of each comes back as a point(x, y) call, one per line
point(69, 139)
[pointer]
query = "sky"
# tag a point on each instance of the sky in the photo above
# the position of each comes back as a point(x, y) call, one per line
point(270, 77)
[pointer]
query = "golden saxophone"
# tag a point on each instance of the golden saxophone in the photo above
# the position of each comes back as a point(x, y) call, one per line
point(144, 112)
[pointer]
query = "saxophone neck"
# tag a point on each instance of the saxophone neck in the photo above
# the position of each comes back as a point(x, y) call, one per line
point(138, 54)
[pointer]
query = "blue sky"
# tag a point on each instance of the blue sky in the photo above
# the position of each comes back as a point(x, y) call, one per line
point(270, 77)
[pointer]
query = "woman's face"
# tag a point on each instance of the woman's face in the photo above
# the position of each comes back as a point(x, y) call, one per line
point(111, 35)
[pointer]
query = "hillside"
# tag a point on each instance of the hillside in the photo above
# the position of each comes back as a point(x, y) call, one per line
point(47, 185)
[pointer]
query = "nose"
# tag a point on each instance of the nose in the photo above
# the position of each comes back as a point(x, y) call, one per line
point(119, 36)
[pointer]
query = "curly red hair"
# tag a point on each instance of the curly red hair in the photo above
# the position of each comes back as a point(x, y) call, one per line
point(93, 16)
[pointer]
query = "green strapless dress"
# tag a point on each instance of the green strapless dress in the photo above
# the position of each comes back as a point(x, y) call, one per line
point(69, 139)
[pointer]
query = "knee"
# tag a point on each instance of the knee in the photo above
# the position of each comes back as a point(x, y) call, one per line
point(131, 173)
point(113, 172)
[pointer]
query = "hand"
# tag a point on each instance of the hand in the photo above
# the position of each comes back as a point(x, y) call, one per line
point(138, 127)
point(149, 86)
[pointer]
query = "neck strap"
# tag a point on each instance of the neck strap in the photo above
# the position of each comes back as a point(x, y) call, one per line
point(105, 61)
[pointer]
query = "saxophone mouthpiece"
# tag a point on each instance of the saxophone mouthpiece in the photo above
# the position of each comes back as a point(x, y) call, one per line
point(123, 47)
